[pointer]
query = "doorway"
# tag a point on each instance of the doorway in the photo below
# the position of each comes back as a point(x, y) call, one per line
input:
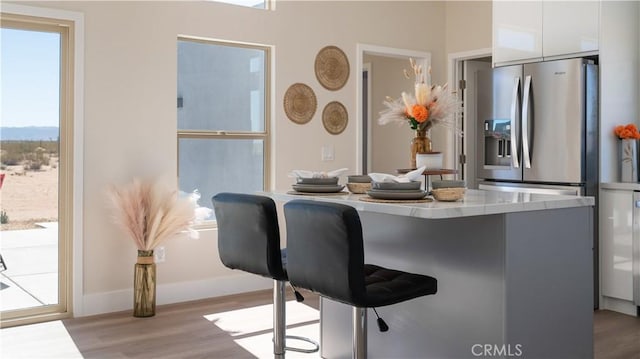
point(462, 70)
point(469, 127)
point(37, 142)
point(382, 148)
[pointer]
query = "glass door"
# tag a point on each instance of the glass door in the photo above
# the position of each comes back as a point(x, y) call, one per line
point(35, 153)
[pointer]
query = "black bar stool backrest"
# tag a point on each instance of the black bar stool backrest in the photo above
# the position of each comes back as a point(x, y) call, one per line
point(248, 234)
point(325, 251)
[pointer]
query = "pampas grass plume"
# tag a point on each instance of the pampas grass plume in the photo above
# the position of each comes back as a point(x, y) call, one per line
point(149, 212)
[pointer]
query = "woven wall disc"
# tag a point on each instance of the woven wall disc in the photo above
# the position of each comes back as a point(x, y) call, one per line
point(300, 103)
point(332, 68)
point(335, 117)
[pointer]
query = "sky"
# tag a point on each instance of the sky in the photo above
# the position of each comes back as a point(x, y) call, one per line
point(29, 78)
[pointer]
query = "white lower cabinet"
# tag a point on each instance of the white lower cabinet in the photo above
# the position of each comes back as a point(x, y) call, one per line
point(616, 214)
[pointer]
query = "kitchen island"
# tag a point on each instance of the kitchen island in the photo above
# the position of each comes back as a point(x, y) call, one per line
point(514, 277)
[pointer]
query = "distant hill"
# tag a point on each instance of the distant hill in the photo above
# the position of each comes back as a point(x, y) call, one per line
point(31, 133)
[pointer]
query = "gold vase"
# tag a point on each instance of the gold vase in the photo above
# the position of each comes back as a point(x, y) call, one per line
point(144, 285)
point(419, 144)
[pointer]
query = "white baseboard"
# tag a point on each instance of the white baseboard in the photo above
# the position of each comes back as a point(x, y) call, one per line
point(120, 300)
point(618, 305)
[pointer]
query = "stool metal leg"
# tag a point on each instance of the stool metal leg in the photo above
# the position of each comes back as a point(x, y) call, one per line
point(359, 333)
point(279, 324)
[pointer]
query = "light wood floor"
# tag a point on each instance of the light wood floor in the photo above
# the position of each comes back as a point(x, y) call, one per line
point(183, 331)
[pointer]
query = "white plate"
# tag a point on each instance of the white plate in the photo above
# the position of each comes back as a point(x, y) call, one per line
point(317, 188)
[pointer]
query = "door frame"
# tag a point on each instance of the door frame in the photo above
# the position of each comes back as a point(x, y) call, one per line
point(72, 246)
point(422, 58)
point(455, 74)
point(366, 67)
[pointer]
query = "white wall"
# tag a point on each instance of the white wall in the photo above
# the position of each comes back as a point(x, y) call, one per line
point(468, 29)
point(619, 69)
point(468, 25)
point(130, 114)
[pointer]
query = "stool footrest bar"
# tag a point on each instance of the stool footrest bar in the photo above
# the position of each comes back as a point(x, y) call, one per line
point(316, 346)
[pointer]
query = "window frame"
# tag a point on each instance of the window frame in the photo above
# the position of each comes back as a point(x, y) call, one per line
point(264, 135)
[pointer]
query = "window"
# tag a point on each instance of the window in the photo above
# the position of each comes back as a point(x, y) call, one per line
point(223, 136)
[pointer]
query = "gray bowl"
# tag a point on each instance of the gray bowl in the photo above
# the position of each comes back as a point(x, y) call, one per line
point(321, 181)
point(358, 179)
point(414, 185)
point(447, 184)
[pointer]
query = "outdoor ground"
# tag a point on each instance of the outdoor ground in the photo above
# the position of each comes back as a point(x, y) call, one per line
point(29, 196)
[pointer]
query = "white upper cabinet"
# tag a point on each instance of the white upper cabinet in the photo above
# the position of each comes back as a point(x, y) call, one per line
point(517, 31)
point(527, 31)
point(569, 27)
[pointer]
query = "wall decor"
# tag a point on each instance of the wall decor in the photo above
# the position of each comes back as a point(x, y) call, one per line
point(332, 68)
point(335, 117)
point(300, 103)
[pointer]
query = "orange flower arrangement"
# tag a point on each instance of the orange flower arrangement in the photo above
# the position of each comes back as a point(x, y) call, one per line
point(429, 105)
point(420, 113)
point(626, 132)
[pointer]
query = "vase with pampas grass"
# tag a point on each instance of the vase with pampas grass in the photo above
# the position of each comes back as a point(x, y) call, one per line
point(149, 213)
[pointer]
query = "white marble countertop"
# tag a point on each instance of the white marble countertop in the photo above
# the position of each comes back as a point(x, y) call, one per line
point(475, 203)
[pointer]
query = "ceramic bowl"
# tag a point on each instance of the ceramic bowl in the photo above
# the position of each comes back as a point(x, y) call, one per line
point(358, 179)
point(358, 187)
point(448, 194)
point(319, 181)
point(447, 184)
point(390, 186)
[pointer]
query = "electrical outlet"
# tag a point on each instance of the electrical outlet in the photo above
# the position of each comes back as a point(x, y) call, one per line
point(158, 254)
point(327, 153)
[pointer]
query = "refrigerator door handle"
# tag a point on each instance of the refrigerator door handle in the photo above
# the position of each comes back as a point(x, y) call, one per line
point(526, 156)
point(514, 136)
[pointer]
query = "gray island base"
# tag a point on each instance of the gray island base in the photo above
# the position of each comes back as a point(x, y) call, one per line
point(514, 270)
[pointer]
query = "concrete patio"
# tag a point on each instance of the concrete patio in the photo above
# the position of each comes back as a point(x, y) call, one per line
point(31, 257)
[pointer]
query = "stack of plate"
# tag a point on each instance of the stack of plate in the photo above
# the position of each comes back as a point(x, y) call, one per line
point(318, 185)
point(396, 191)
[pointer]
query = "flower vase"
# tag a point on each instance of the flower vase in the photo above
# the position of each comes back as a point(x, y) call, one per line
point(144, 285)
point(628, 160)
point(419, 144)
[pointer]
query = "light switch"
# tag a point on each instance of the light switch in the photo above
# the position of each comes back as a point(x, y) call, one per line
point(327, 153)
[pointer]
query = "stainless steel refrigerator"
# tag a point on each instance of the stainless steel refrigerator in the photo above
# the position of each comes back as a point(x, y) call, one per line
point(538, 127)
point(538, 131)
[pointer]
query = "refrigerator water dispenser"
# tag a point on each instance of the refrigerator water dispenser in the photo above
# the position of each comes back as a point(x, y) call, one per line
point(497, 142)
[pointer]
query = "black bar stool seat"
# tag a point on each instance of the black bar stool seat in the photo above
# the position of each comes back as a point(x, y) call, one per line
point(249, 240)
point(387, 286)
point(326, 255)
